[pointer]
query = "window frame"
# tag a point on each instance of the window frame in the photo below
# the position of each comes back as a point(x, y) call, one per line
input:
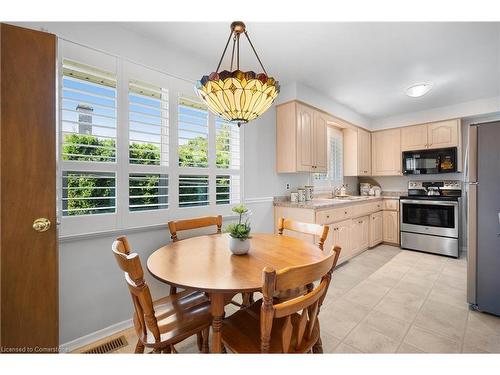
point(123, 219)
point(326, 184)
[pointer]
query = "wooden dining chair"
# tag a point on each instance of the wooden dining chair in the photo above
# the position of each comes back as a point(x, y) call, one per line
point(162, 323)
point(318, 230)
point(306, 228)
point(189, 224)
point(285, 327)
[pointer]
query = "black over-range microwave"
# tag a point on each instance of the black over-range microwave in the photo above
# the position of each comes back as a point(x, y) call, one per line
point(441, 160)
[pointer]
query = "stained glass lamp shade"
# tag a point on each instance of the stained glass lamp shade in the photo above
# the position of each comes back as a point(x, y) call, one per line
point(238, 96)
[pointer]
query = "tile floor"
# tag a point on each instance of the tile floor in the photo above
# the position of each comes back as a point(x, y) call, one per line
point(389, 300)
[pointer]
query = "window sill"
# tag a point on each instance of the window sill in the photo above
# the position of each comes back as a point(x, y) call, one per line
point(118, 232)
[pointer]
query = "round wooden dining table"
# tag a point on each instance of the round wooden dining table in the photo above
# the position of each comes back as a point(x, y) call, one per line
point(205, 263)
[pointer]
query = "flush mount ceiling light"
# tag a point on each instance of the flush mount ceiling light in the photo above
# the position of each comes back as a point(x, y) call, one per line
point(419, 89)
point(236, 95)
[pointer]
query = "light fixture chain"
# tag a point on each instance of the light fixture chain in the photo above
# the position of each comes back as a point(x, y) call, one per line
point(224, 52)
point(238, 52)
point(232, 52)
point(255, 52)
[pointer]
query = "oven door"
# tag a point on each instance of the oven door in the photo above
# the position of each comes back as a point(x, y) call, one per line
point(439, 218)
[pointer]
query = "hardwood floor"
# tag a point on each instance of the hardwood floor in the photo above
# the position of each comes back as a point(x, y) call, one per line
point(389, 300)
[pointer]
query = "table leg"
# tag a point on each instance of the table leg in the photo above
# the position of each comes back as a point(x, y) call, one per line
point(217, 308)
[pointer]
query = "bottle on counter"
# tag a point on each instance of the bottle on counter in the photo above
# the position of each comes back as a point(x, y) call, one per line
point(294, 197)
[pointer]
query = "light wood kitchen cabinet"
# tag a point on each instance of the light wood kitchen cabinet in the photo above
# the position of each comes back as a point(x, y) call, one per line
point(360, 234)
point(301, 140)
point(305, 138)
point(341, 236)
point(414, 138)
point(443, 134)
point(320, 144)
point(357, 152)
point(386, 153)
point(376, 229)
point(391, 226)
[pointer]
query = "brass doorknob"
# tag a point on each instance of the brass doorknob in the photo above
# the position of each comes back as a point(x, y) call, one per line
point(41, 224)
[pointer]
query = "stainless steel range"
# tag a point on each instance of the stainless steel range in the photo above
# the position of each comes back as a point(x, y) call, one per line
point(429, 217)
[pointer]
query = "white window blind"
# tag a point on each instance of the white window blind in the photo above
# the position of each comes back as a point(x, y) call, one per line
point(88, 113)
point(148, 191)
point(136, 148)
point(227, 189)
point(193, 190)
point(227, 144)
point(148, 124)
point(335, 175)
point(87, 193)
point(192, 133)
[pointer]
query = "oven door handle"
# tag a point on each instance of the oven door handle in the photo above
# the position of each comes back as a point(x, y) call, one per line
point(435, 203)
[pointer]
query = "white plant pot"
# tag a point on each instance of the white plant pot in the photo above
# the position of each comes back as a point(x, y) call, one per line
point(239, 247)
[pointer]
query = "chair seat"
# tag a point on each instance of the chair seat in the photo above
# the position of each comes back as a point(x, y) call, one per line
point(179, 316)
point(241, 332)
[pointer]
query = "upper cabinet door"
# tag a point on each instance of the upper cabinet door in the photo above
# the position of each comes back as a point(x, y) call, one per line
point(305, 137)
point(364, 153)
point(320, 143)
point(443, 134)
point(414, 138)
point(386, 153)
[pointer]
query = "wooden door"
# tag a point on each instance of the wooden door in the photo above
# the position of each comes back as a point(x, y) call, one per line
point(414, 138)
point(364, 153)
point(386, 153)
point(391, 226)
point(376, 232)
point(443, 134)
point(305, 136)
point(341, 237)
point(320, 164)
point(29, 260)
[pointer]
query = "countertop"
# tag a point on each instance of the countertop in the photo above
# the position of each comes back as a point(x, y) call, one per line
point(320, 203)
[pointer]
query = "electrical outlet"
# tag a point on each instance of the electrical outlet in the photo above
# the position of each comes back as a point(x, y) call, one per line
point(287, 186)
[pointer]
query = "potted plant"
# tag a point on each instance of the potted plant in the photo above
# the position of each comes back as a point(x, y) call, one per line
point(239, 233)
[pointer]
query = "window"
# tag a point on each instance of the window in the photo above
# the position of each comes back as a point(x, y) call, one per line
point(88, 113)
point(227, 146)
point(86, 193)
point(335, 175)
point(193, 133)
point(193, 190)
point(148, 124)
point(227, 189)
point(148, 192)
point(136, 148)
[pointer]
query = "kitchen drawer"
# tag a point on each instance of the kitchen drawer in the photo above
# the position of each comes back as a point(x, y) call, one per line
point(361, 209)
point(333, 215)
point(375, 206)
point(391, 204)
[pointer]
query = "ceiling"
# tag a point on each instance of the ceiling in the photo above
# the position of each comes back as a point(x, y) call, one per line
point(364, 66)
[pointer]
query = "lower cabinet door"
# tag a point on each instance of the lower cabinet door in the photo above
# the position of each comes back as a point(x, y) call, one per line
point(376, 231)
point(341, 237)
point(391, 226)
point(360, 230)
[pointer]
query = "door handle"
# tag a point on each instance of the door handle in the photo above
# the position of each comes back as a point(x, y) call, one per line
point(41, 224)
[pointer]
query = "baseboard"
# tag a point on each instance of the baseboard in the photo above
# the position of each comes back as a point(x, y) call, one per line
point(95, 336)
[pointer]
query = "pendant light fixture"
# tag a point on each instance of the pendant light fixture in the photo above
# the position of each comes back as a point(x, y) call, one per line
point(235, 95)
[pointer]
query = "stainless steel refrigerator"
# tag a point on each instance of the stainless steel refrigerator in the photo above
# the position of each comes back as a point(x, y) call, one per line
point(482, 174)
